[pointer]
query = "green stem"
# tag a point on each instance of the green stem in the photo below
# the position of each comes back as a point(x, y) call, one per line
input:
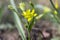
point(30, 25)
point(58, 20)
point(55, 16)
point(29, 36)
point(53, 5)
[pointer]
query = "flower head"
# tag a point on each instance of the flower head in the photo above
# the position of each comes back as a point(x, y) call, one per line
point(28, 14)
point(55, 12)
point(22, 6)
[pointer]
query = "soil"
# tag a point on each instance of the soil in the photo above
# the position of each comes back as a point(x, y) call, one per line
point(36, 33)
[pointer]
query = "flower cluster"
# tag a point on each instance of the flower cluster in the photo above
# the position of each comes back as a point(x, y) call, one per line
point(28, 14)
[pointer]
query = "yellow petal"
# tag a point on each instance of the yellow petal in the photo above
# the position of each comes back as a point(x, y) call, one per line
point(33, 11)
point(29, 19)
point(24, 13)
point(28, 11)
point(56, 4)
point(35, 14)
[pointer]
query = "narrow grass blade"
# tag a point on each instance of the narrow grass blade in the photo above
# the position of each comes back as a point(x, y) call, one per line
point(18, 21)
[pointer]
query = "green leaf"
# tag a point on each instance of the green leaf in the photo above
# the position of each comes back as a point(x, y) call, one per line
point(19, 26)
point(1, 11)
point(17, 21)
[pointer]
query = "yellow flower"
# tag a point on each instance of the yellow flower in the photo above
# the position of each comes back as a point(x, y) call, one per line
point(56, 4)
point(28, 14)
point(55, 12)
point(46, 9)
point(22, 6)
